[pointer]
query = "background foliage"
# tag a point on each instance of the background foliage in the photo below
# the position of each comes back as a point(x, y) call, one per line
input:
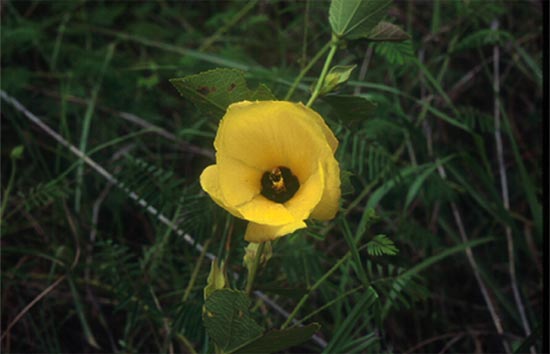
point(442, 205)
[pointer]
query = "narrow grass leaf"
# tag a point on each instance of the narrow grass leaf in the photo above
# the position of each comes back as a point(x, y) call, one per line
point(342, 335)
point(427, 263)
point(82, 316)
point(418, 182)
point(358, 265)
point(86, 125)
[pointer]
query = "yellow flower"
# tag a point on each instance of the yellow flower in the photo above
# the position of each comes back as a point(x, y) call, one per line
point(275, 167)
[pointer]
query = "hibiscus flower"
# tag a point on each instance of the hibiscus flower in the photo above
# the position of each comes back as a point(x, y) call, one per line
point(275, 167)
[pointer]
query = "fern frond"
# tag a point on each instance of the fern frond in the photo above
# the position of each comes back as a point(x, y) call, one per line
point(396, 53)
point(484, 37)
point(156, 186)
point(398, 288)
point(44, 193)
point(381, 245)
point(380, 163)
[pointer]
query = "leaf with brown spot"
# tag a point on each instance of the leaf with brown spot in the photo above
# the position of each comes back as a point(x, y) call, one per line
point(202, 90)
point(227, 319)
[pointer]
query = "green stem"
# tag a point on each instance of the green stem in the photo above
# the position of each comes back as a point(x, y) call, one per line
point(313, 288)
point(304, 71)
point(355, 254)
point(86, 127)
point(195, 272)
point(254, 269)
point(8, 190)
point(328, 61)
point(328, 304)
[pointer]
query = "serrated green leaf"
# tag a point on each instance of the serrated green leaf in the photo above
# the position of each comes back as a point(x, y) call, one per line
point(385, 31)
point(277, 340)
point(214, 90)
point(227, 319)
point(381, 245)
point(352, 19)
point(337, 75)
point(349, 108)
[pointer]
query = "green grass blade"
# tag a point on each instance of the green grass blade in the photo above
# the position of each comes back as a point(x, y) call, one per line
point(86, 126)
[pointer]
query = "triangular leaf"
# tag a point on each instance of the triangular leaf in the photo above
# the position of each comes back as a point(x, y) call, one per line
point(385, 31)
point(277, 340)
point(214, 90)
point(352, 19)
point(227, 319)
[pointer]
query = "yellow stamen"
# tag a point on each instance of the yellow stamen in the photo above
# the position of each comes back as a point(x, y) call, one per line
point(277, 180)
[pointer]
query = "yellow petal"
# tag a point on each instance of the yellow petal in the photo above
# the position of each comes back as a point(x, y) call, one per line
point(210, 183)
point(264, 211)
point(268, 134)
point(315, 118)
point(328, 206)
point(261, 233)
point(239, 183)
point(308, 196)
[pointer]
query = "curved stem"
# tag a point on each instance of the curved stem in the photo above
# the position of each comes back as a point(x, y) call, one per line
point(330, 56)
point(304, 71)
point(254, 269)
